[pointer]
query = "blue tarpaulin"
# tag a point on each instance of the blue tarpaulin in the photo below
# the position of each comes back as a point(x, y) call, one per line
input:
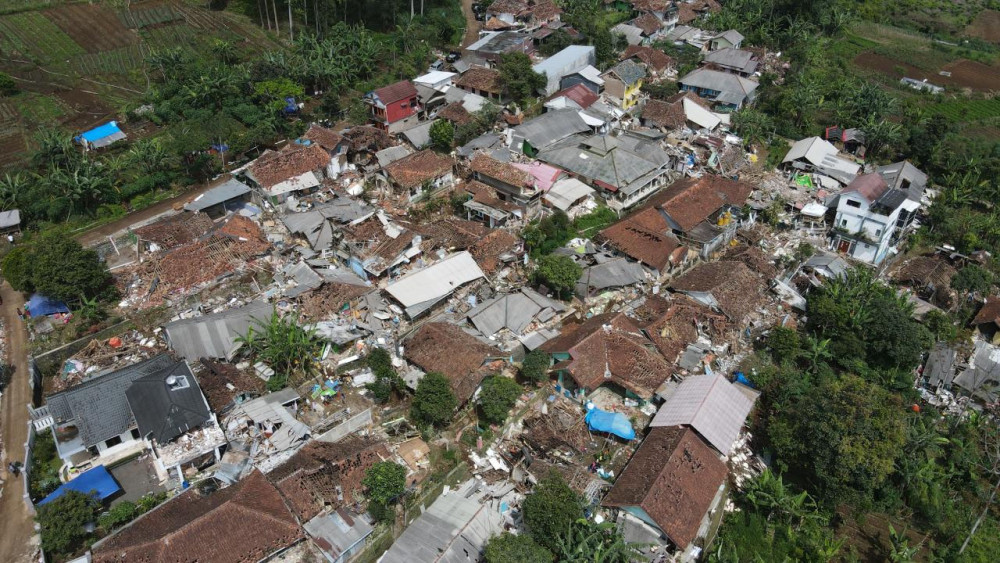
point(97, 133)
point(41, 306)
point(611, 422)
point(96, 480)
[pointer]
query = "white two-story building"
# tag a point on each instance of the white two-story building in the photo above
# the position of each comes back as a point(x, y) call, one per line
point(870, 219)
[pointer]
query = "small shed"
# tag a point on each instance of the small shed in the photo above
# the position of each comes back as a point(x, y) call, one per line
point(41, 306)
point(218, 200)
point(97, 481)
point(101, 136)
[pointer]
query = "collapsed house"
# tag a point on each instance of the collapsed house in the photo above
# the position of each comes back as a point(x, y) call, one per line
point(433, 349)
point(267, 425)
point(607, 350)
point(216, 335)
point(730, 287)
point(295, 169)
point(420, 290)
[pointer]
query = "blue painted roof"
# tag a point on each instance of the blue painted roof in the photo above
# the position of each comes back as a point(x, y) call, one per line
point(97, 133)
point(40, 305)
point(96, 480)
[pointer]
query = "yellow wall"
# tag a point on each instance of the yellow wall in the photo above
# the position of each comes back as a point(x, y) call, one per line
point(631, 96)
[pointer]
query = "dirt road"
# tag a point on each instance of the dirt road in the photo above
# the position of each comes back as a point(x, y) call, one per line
point(16, 525)
point(471, 25)
point(94, 236)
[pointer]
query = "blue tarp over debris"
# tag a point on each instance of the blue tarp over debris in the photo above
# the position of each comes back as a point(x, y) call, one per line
point(40, 306)
point(611, 422)
point(96, 480)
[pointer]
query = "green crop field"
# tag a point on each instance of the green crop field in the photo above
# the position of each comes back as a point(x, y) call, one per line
point(119, 62)
point(963, 111)
point(32, 35)
point(138, 17)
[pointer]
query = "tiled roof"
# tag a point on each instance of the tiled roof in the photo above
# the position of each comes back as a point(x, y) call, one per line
point(222, 382)
point(650, 5)
point(628, 71)
point(989, 313)
point(671, 324)
point(686, 14)
point(456, 113)
point(648, 23)
point(610, 348)
point(324, 137)
point(870, 186)
point(447, 349)
point(293, 160)
point(580, 94)
point(325, 475)
point(654, 59)
point(367, 138)
point(487, 250)
point(664, 114)
point(496, 24)
point(420, 167)
point(643, 236)
point(507, 173)
point(401, 90)
point(924, 271)
point(692, 200)
point(674, 478)
point(735, 287)
point(451, 233)
point(481, 79)
point(508, 7)
point(175, 230)
point(244, 523)
point(754, 259)
point(481, 193)
point(545, 10)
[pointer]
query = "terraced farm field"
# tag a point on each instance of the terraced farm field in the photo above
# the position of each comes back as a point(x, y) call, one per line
point(92, 27)
point(32, 35)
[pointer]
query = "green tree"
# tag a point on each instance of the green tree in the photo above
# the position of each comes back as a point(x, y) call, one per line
point(755, 126)
point(119, 515)
point(63, 269)
point(784, 344)
point(550, 510)
point(386, 378)
point(384, 482)
point(434, 402)
point(283, 345)
point(273, 92)
point(508, 548)
point(535, 366)
point(16, 267)
point(588, 542)
point(498, 395)
point(520, 81)
point(62, 522)
point(973, 278)
point(442, 135)
point(8, 87)
point(843, 435)
point(559, 273)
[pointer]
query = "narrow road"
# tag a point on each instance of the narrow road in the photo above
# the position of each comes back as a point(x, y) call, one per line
point(97, 235)
point(16, 524)
point(471, 25)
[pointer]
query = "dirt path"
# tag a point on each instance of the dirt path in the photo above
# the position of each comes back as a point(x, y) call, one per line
point(16, 525)
point(97, 235)
point(471, 25)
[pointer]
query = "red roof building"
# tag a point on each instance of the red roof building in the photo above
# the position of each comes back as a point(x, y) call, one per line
point(393, 103)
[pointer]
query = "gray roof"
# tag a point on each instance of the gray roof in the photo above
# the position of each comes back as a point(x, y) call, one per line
point(305, 279)
point(567, 191)
point(10, 218)
point(733, 58)
point(168, 403)
point(891, 199)
point(724, 82)
point(338, 531)
point(392, 154)
point(982, 379)
point(940, 367)
point(231, 189)
point(270, 409)
point(498, 42)
point(214, 335)
point(626, 162)
point(829, 265)
point(315, 223)
point(419, 136)
point(485, 141)
point(565, 62)
point(711, 405)
point(905, 176)
point(615, 273)
point(731, 35)
point(99, 406)
point(629, 71)
point(454, 529)
point(514, 311)
point(550, 127)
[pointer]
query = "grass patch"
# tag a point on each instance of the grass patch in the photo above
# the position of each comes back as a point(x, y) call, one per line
point(45, 466)
point(37, 37)
point(592, 223)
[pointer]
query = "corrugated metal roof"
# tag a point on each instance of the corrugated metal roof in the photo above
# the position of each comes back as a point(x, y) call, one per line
point(435, 281)
point(10, 218)
point(711, 405)
point(214, 336)
point(231, 189)
point(564, 193)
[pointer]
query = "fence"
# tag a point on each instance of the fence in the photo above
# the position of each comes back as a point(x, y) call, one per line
point(26, 470)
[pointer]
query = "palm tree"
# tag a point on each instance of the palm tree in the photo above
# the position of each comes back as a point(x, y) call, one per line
point(587, 542)
point(12, 188)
